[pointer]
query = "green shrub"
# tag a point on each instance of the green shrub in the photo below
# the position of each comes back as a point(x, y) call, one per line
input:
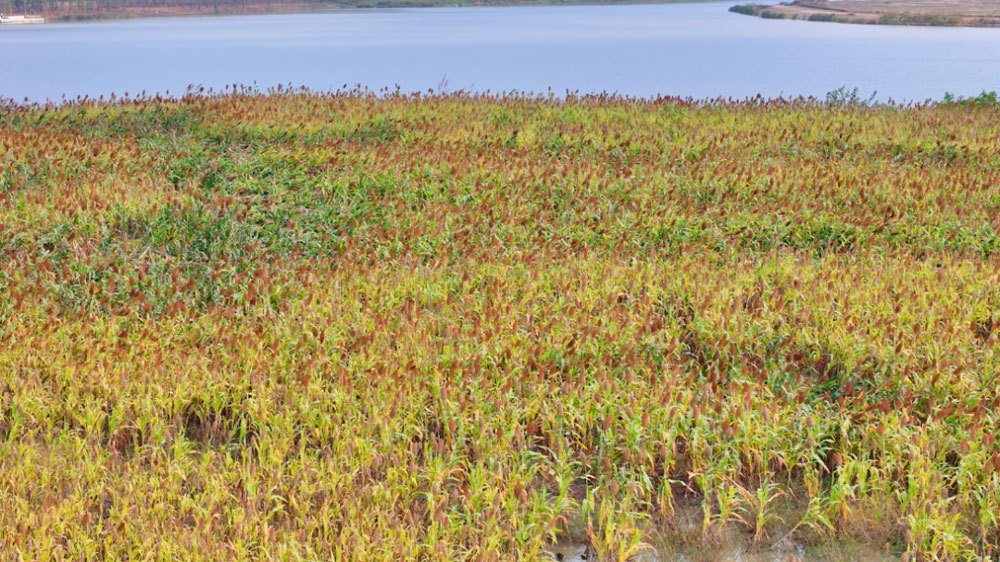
point(984, 99)
point(745, 9)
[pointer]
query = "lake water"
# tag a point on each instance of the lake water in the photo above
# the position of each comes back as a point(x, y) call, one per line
point(698, 50)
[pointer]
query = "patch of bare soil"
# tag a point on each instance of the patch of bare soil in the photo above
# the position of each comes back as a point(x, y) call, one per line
point(684, 539)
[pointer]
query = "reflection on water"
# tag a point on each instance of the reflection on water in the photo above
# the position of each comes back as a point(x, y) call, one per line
point(698, 50)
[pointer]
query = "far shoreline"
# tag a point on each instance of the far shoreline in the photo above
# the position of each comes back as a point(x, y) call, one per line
point(306, 7)
point(926, 13)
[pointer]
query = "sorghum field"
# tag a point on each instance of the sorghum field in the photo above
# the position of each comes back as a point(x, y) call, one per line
point(379, 327)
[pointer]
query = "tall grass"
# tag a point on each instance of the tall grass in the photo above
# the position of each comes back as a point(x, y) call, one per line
point(341, 326)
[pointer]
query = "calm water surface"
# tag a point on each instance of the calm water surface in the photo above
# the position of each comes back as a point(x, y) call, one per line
point(698, 50)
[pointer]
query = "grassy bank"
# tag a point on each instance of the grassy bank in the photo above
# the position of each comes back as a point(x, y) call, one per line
point(941, 13)
point(333, 326)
